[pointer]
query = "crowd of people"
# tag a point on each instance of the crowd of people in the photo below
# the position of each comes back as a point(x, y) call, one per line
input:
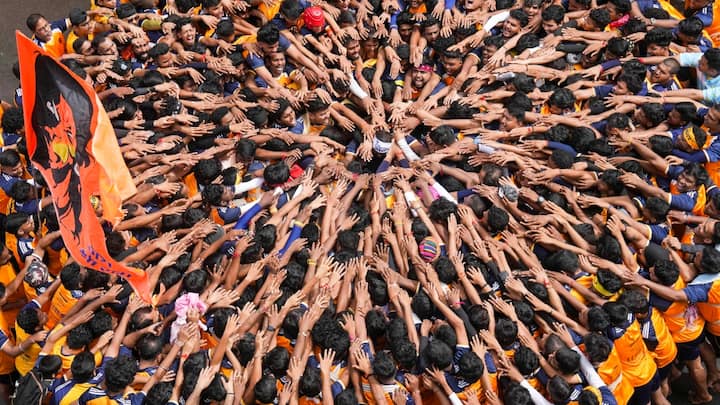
point(347, 202)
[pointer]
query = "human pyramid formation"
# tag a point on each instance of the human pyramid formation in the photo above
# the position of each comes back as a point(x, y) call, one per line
point(377, 202)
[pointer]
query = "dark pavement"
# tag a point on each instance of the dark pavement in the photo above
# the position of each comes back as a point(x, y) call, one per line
point(13, 17)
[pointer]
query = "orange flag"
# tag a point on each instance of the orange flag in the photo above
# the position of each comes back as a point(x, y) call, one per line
point(71, 142)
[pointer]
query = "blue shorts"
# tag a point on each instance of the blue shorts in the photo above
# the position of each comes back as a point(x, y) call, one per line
point(643, 393)
point(690, 350)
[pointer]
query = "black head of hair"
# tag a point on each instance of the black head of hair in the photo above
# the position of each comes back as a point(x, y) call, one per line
point(609, 248)
point(119, 373)
point(276, 173)
point(635, 301)
point(657, 207)
point(375, 323)
point(691, 27)
point(598, 319)
point(49, 365)
point(600, 17)
point(206, 171)
point(79, 337)
point(446, 333)
point(405, 353)
point(266, 389)
point(506, 332)
point(149, 346)
point(83, 367)
point(710, 260)
point(523, 83)
point(526, 360)
point(160, 393)
point(659, 36)
point(562, 158)
point(527, 41)
point(554, 12)
point(661, 145)
point(562, 98)
point(277, 361)
point(439, 354)
point(497, 219)
point(568, 361)
point(445, 270)
point(520, 15)
point(516, 394)
point(195, 281)
point(100, 323)
point(422, 306)
point(441, 209)
point(471, 367)
point(618, 47)
point(12, 120)
point(597, 347)
point(559, 389)
point(383, 366)
point(617, 312)
point(609, 280)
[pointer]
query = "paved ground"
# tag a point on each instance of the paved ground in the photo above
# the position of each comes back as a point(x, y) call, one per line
point(12, 17)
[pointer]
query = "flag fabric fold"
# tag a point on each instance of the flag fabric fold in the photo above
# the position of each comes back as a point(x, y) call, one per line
point(71, 142)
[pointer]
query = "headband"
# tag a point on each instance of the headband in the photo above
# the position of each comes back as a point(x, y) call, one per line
point(425, 68)
point(381, 146)
point(689, 137)
point(600, 289)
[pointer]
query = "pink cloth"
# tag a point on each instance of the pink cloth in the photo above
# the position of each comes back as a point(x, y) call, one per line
point(183, 304)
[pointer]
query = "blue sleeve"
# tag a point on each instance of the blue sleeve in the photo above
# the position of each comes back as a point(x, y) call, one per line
point(62, 24)
point(603, 91)
point(464, 193)
point(283, 43)
point(29, 207)
point(658, 233)
point(562, 146)
point(674, 171)
point(705, 15)
point(449, 4)
point(394, 16)
point(294, 234)
point(682, 202)
point(336, 388)
point(244, 220)
point(384, 166)
point(600, 126)
point(229, 214)
point(607, 396)
point(610, 64)
point(255, 61)
point(697, 292)
point(697, 157)
point(3, 338)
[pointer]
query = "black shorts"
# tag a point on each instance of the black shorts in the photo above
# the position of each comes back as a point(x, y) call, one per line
point(643, 393)
point(713, 340)
point(690, 350)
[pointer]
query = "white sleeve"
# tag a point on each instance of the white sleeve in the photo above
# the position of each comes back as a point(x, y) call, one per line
point(485, 149)
point(495, 20)
point(410, 197)
point(443, 193)
point(245, 208)
point(407, 150)
point(593, 378)
point(537, 398)
point(454, 399)
point(356, 89)
point(248, 185)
